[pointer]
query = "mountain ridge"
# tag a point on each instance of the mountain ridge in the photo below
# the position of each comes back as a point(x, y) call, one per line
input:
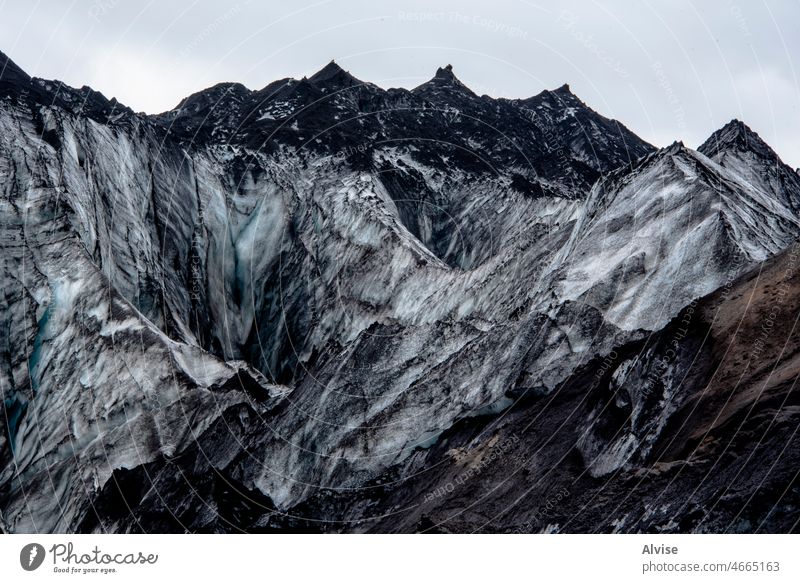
point(315, 305)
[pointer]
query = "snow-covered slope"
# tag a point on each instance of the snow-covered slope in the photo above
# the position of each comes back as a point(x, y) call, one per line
point(674, 228)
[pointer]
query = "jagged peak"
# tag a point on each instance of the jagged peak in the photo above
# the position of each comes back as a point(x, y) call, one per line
point(445, 79)
point(560, 96)
point(445, 73)
point(675, 147)
point(331, 68)
point(333, 73)
point(736, 136)
point(212, 95)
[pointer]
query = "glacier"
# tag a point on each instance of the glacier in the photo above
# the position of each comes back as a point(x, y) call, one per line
point(304, 307)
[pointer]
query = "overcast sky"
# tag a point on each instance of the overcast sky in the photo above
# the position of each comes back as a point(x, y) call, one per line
point(668, 69)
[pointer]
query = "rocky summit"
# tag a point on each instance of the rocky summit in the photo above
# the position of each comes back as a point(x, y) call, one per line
point(324, 306)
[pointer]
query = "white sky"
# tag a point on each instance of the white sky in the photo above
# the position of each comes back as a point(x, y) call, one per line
point(667, 69)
